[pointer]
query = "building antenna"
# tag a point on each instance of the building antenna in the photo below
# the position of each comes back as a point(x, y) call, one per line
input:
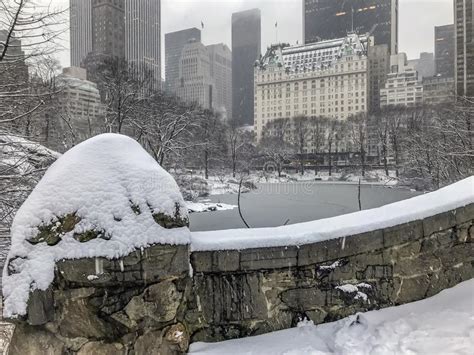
point(276, 32)
point(352, 18)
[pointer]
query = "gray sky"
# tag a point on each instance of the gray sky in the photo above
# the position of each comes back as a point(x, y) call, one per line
point(416, 22)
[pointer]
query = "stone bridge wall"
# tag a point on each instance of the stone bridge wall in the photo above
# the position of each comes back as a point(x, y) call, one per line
point(254, 291)
point(148, 303)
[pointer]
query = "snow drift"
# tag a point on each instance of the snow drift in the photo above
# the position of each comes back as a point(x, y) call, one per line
point(103, 198)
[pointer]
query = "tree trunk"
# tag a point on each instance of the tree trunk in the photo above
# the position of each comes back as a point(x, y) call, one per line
point(206, 164)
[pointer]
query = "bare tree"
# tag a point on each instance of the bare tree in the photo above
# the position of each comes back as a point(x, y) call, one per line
point(167, 126)
point(241, 147)
point(274, 144)
point(358, 125)
point(300, 137)
point(319, 127)
point(122, 90)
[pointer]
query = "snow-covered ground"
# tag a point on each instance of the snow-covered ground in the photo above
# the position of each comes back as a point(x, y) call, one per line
point(442, 325)
point(226, 184)
point(207, 206)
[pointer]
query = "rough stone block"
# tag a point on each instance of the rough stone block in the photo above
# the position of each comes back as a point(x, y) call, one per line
point(230, 297)
point(438, 240)
point(464, 214)
point(412, 289)
point(34, 341)
point(268, 258)
point(201, 261)
point(320, 252)
point(215, 261)
point(375, 272)
point(418, 265)
point(461, 253)
point(439, 222)
point(302, 299)
point(160, 262)
point(403, 233)
point(40, 307)
point(360, 243)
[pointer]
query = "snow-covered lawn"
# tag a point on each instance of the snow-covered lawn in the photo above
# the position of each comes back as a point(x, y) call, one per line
point(442, 324)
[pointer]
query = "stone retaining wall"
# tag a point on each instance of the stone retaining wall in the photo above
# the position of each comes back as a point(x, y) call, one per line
point(147, 302)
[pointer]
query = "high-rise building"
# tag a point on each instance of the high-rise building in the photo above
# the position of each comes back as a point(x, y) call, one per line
point(108, 27)
point(425, 65)
point(221, 71)
point(246, 49)
point(174, 44)
point(464, 47)
point(444, 50)
point(379, 67)
point(108, 34)
point(329, 19)
point(328, 78)
point(402, 86)
point(195, 84)
point(143, 37)
point(80, 14)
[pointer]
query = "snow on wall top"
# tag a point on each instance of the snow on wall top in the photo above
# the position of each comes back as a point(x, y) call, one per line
point(107, 184)
point(450, 197)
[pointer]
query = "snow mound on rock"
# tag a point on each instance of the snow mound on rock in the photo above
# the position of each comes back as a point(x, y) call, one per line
point(103, 198)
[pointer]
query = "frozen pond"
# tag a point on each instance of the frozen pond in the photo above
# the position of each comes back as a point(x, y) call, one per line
point(273, 204)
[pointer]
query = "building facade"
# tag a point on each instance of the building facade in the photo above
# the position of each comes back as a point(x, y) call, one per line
point(438, 90)
point(425, 65)
point(195, 84)
point(328, 78)
point(444, 51)
point(220, 59)
point(330, 19)
point(246, 49)
point(402, 86)
point(174, 44)
point(464, 47)
point(79, 114)
point(80, 33)
point(143, 38)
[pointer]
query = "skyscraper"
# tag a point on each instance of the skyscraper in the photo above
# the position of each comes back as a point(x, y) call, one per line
point(195, 83)
point(129, 29)
point(329, 19)
point(221, 72)
point(464, 47)
point(80, 13)
point(108, 27)
point(174, 44)
point(246, 49)
point(143, 37)
point(108, 34)
point(444, 50)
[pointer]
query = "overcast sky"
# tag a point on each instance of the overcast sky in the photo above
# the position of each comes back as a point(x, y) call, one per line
point(416, 23)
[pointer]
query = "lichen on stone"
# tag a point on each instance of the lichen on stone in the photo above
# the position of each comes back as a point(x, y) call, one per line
point(52, 233)
point(89, 235)
point(170, 222)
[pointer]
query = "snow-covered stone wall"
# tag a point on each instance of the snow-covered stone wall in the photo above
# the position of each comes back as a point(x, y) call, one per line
point(239, 293)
